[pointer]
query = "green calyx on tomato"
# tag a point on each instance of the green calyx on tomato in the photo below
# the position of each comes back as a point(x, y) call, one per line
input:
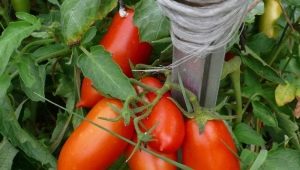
point(268, 20)
point(123, 42)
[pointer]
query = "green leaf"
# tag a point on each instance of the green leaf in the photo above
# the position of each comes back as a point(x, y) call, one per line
point(293, 2)
point(62, 122)
point(89, 35)
point(27, 17)
point(11, 129)
point(78, 15)
point(285, 93)
point(247, 158)
point(4, 85)
point(149, 18)
point(105, 7)
point(32, 77)
point(107, 77)
point(258, 10)
point(264, 113)
point(260, 159)
point(282, 159)
point(261, 68)
point(47, 50)
point(54, 2)
point(289, 127)
point(251, 85)
point(11, 39)
point(261, 43)
point(231, 66)
point(76, 18)
point(245, 134)
point(7, 154)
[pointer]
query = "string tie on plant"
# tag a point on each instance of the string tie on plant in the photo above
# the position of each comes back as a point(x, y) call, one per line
point(199, 27)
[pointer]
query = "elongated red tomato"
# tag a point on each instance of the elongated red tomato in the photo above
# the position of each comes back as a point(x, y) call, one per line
point(152, 82)
point(89, 95)
point(142, 160)
point(91, 148)
point(213, 149)
point(169, 126)
point(122, 41)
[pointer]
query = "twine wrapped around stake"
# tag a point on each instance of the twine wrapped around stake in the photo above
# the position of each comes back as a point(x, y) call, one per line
point(199, 27)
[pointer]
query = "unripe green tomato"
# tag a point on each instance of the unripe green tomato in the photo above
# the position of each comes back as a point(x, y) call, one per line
point(21, 5)
point(269, 18)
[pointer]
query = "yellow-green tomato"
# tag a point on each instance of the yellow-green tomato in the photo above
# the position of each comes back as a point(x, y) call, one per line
point(268, 19)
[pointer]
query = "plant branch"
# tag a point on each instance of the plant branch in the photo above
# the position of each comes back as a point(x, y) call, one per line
point(286, 17)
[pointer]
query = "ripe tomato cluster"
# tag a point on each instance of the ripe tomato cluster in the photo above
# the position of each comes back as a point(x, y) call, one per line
point(101, 138)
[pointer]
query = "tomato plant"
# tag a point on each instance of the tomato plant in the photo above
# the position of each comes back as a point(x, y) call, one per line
point(45, 50)
point(122, 41)
point(211, 149)
point(90, 147)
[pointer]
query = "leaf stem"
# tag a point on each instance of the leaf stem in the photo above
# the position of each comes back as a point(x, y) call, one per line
point(43, 58)
point(35, 43)
point(53, 55)
point(235, 78)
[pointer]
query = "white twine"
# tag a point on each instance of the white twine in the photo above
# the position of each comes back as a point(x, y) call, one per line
point(199, 29)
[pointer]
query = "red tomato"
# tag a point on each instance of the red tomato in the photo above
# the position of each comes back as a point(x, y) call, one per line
point(91, 148)
point(152, 82)
point(169, 126)
point(122, 41)
point(89, 95)
point(210, 150)
point(142, 160)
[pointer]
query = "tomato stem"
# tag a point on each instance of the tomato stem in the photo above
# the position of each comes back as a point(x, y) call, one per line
point(235, 78)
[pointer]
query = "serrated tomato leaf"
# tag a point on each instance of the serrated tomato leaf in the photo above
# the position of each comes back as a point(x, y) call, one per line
point(105, 7)
point(11, 129)
point(149, 18)
point(78, 15)
point(282, 159)
point(245, 134)
point(7, 154)
point(11, 39)
point(261, 68)
point(32, 78)
point(260, 159)
point(107, 76)
point(76, 18)
point(4, 85)
point(263, 113)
